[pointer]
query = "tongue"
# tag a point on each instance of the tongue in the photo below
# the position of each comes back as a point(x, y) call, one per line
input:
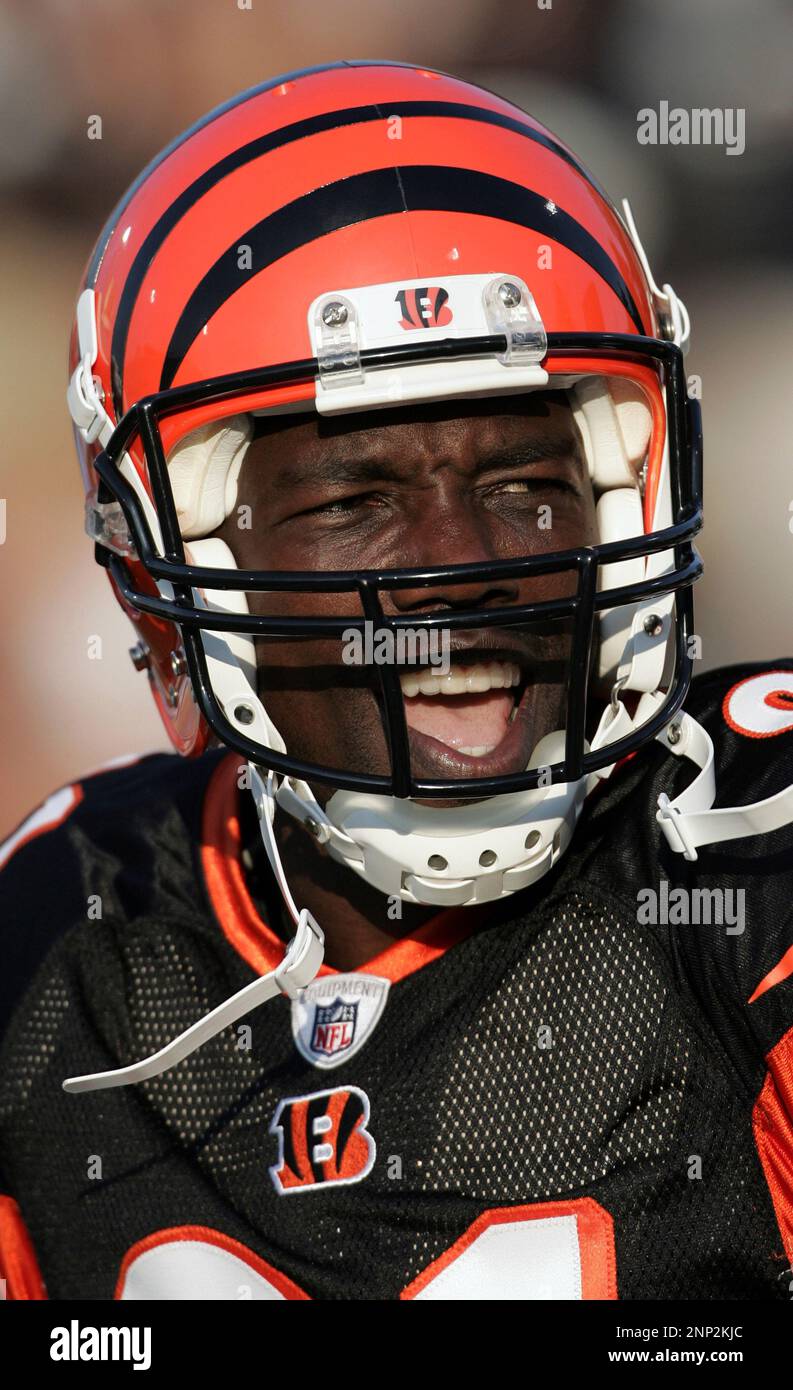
point(461, 721)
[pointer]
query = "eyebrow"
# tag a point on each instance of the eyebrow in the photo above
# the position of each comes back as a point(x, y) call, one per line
point(346, 471)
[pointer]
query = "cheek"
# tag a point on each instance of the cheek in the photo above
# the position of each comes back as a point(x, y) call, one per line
point(559, 524)
point(574, 524)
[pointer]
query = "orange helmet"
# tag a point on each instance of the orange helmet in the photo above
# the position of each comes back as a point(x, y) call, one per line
point(346, 238)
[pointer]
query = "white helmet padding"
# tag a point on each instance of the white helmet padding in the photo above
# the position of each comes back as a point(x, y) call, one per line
point(425, 854)
point(614, 421)
point(229, 648)
point(203, 469)
point(619, 514)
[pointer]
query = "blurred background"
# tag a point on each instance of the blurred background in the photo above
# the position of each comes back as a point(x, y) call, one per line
point(716, 226)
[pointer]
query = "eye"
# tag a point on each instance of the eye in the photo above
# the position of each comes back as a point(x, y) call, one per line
point(340, 506)
point(525, 487)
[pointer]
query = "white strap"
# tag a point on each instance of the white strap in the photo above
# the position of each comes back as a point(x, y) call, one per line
point(665, 299)
point(690, 819)
point(298, 968)
point(264, 796)
point(615, 723)
point(300, 965)
point(297, 800)
point(83, 398)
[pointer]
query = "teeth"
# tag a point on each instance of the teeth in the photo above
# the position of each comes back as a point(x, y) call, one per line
point(478, 752)
point(462, 680)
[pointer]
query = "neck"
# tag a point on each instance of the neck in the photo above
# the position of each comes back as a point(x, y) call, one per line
point(358, 921)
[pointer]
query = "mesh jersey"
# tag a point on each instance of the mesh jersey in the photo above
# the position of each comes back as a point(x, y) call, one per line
point(558, 1098)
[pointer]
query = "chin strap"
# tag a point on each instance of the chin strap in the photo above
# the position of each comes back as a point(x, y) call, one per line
point(300, 965)
point(690, 819)
point(298, 968)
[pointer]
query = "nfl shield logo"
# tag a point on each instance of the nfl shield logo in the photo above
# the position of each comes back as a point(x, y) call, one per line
point(336, 1015)
point(334, 1027)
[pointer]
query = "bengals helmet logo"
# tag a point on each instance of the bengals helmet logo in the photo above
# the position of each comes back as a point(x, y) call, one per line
point(424, 308)
point(322, 1140)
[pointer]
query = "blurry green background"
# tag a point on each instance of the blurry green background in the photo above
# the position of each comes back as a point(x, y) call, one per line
point(716, 226)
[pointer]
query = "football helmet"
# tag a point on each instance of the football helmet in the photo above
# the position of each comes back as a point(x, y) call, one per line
point(349, 238)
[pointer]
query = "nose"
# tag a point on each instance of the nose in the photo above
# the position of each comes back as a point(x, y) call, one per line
point(480, 593)
point(452, 537)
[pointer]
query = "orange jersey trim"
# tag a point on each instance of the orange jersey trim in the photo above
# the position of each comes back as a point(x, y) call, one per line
point(780, 972)
point(250, 935)
point(772, 1121)
point(18, 1264)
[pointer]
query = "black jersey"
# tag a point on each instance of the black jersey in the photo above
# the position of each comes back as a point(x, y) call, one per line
point(585, 1091)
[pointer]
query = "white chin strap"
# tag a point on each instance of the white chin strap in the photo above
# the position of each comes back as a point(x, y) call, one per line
point(298, 968)
point(438, 856)
point(690, 820)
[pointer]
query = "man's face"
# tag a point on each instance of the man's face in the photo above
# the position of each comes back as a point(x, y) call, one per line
point(432, 485)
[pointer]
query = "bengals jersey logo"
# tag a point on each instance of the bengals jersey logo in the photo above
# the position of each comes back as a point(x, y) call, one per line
point(322, 1140)
point(424, 308)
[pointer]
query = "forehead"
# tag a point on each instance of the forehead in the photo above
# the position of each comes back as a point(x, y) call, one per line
point(464, 429)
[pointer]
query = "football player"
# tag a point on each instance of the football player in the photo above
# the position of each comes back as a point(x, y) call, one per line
point(389, 458)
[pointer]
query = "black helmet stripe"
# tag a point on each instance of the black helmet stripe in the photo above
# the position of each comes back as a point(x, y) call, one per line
point(255, 149)
point(180, 139)
point(410, 188)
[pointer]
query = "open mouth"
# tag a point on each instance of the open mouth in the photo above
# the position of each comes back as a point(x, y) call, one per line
point(469, 709)
point(473, 721)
